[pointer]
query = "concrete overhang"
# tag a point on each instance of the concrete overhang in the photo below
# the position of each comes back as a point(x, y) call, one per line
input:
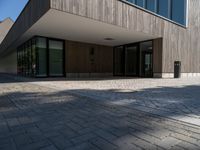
point(62, 25)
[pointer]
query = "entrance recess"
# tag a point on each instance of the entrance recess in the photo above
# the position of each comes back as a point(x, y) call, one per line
point(134, 60)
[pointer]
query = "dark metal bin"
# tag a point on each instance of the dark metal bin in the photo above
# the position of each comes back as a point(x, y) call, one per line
point(177, 69)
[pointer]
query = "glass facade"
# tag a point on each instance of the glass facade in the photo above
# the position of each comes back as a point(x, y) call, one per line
point(55, 58)
point(174, 10)
point(41, 57)
point(134, 60)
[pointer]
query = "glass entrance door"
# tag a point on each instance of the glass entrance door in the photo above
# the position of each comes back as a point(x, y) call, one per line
point(119, 61)
point(134, 60)
point(126, 60)
point(147, 64)
point(56, 58)
point(131, 61)
point(146, 59)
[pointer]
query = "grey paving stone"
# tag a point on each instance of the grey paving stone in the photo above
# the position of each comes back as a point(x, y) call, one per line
point(22, 139)
point(35, 146)
point(99, 114)
point(50, 147)
point(83, 146)
point(60, 142)
point(103, 144)
point(82, 138)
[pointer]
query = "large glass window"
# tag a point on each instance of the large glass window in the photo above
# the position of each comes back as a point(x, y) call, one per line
point(55, 58)
point(179, 11)
point(132, 1)
point(41, 57)
point(174, 10)
point(29, 58)
point(164, 8)
point(33, 57)
point(141, 3)
point(119, 61)
point(41, 54)
point(152, 5)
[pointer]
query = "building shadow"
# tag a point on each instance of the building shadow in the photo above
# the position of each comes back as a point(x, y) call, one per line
point(69, 118)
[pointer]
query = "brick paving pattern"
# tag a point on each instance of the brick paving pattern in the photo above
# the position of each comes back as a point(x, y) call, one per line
point(98, 115)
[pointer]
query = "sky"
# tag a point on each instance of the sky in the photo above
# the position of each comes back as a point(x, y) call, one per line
point(11, 8)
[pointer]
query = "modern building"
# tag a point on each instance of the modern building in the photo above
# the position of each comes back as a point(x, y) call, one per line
point(92, 38)
point(5, 26)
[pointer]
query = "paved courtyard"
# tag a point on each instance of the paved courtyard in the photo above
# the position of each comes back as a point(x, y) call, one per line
point(109, 114)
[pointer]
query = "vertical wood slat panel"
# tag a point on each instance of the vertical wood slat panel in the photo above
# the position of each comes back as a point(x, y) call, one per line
point(78, 59)
point(157, 55)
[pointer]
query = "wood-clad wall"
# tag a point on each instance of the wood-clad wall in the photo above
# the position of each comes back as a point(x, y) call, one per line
point(31, 13)
point(157, 56)
point(88, 58)
point(178, 43)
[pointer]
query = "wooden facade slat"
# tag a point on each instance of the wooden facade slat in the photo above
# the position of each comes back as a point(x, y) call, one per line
point(80, 60)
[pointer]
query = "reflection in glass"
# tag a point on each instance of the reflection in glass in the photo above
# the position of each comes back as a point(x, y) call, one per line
point(152, 5)
point(119, 61)
point(179, 11)
point(146, 59)
point(164, 8)
point(171, 9)
point(41, 54)
point(55, 58)
point(140, 3)
point(131, 64)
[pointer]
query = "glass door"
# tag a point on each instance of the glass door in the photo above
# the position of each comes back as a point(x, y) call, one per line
point(56, 58)
point(146, 59)
point(148, 66)
point(131, 61)
point(119, 61)
point(41, 57)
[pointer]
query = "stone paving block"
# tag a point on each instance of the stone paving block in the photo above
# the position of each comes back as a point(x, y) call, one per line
point(22, 139)
point(189, 146)
point(44, 118)
point(83, 146)
point(35, 146)
point(186, 138)
point(105, 135)
point(60, 142)
point(13, 122)
point(50, 147)
point(49, 134)
point(103, 144)
point(126, 143)
point(141, 143)
point(82, 138)
point(7, 143)
point(168, 142)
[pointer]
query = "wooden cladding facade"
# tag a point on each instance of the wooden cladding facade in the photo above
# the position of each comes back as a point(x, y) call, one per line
point(88, 58)
point(177, 44)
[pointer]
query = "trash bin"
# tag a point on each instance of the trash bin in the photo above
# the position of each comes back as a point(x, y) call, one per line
point(177, 69)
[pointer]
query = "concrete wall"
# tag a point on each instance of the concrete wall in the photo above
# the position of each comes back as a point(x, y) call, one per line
point(8, 64)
